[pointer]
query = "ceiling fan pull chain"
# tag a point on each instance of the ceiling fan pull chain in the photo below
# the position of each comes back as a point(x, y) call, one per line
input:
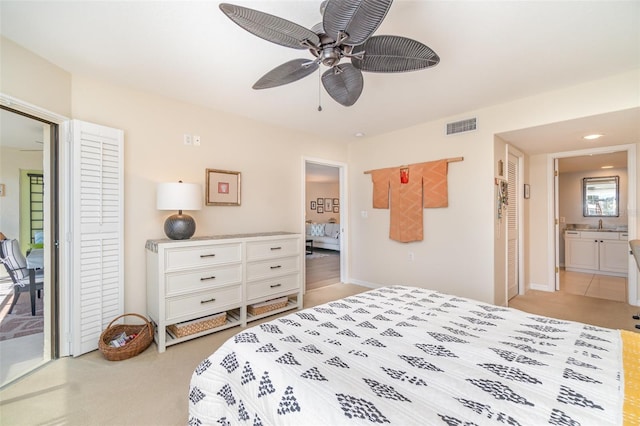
point(319, 92)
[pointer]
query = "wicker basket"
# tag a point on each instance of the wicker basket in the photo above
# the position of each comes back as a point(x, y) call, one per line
point(196, 326)
point(144, 337)
point(267, 306)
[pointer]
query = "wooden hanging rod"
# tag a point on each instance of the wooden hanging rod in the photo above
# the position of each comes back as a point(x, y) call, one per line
point(449, 160)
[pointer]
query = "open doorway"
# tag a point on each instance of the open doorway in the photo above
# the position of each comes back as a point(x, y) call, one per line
point(324, 225)
point(28, 170)
point(592, 237)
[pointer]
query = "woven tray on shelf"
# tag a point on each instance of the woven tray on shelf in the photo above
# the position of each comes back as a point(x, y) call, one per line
point(267, 306)
point(196, 326)
point(144, 337)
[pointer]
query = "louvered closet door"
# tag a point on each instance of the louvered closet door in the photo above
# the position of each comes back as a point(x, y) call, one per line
point(98, 228)
point(512, 227)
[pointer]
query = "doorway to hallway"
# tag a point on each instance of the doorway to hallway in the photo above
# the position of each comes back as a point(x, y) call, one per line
point(324, 211)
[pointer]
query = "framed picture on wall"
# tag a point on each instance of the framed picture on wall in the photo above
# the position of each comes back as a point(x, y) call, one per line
point(320, 202)
point(336, 201)
point(313, 205)
point(336, 209)
point(320, 209)
point(327, 204)
point(223, 188)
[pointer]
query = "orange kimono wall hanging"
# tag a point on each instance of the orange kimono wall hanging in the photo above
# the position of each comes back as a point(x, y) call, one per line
point(406, 191)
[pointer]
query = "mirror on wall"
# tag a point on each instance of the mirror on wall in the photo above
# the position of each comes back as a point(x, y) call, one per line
point(600, 196)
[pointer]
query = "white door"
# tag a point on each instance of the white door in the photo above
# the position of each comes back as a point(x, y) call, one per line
point(97, 257)
point(512, 227)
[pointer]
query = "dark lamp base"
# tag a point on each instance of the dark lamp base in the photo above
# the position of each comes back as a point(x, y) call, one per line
point(179, 226)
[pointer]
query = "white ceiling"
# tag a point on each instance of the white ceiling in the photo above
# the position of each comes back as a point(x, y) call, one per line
point(20, 132)
point(491, 52)
point(319, 173)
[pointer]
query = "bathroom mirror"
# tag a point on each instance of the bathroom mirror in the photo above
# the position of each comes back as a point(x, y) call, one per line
point(600, 196)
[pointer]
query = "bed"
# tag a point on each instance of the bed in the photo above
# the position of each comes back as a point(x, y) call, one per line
point(411, 356)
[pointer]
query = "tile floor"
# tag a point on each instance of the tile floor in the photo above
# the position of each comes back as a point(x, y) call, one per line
point(591, 285)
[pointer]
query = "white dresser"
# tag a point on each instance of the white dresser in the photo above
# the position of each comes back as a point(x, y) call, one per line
point(191, 280)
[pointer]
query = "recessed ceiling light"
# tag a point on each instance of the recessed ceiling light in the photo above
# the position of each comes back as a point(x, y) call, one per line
point(593, 136)
point(606, 167)
point(359, 134)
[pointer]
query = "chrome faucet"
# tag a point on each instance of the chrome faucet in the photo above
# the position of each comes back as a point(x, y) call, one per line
point(600, 224)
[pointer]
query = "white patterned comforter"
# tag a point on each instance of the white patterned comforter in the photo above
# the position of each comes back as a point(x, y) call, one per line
point(411, 356)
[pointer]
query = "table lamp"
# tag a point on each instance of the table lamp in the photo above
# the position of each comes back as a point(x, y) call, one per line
point(179, 196)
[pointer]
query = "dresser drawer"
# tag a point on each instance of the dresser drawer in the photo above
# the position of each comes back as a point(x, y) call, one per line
point(272, 268)
point(181, 308)
point(193, 257)
point(202, 279)
point(273, 286)
point(258, 250)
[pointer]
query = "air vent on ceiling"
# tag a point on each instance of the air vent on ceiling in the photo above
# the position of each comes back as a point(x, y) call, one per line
point(461, 126)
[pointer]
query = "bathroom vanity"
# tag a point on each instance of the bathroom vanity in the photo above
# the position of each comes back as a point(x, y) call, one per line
point(603, 252)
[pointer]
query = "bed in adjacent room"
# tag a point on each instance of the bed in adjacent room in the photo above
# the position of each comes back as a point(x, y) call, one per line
point(405, 356)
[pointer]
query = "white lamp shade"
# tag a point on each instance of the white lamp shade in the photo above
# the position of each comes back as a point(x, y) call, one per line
point(179, 196)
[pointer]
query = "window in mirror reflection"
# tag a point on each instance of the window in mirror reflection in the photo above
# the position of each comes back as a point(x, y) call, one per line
point(600, 196)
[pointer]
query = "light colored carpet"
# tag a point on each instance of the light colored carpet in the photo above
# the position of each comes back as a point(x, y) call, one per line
point(573, 307)
point(149, 389)
point(152, 388)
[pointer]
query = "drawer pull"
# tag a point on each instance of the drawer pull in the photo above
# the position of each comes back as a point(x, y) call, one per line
point(202, 256)
point(207, 301)
point(275, 285)
point(276, 267)
point(207, 278)
point(276, 248)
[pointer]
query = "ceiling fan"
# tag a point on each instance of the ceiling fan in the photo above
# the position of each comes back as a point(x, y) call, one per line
point(345, 32)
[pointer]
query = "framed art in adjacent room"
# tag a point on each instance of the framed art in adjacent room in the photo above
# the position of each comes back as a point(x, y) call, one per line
point(222, 188)
point(313, 205)
point(320, 209)
point(527, 190)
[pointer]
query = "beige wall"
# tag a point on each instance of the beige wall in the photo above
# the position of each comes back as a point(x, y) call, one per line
point(323, 190)
point(456, 255)
point(34, 80)
point(11, 162)
point(459, 253)
point(269, 159)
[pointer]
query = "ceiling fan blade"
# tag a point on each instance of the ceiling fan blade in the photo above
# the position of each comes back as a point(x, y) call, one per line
point(286, 73)
point(344, 83)
point(270, 28)
point(393, 54)
point(358, 18)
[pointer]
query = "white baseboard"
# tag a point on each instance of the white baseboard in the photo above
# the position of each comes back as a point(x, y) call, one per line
point(364, 283)
point(540, 287)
